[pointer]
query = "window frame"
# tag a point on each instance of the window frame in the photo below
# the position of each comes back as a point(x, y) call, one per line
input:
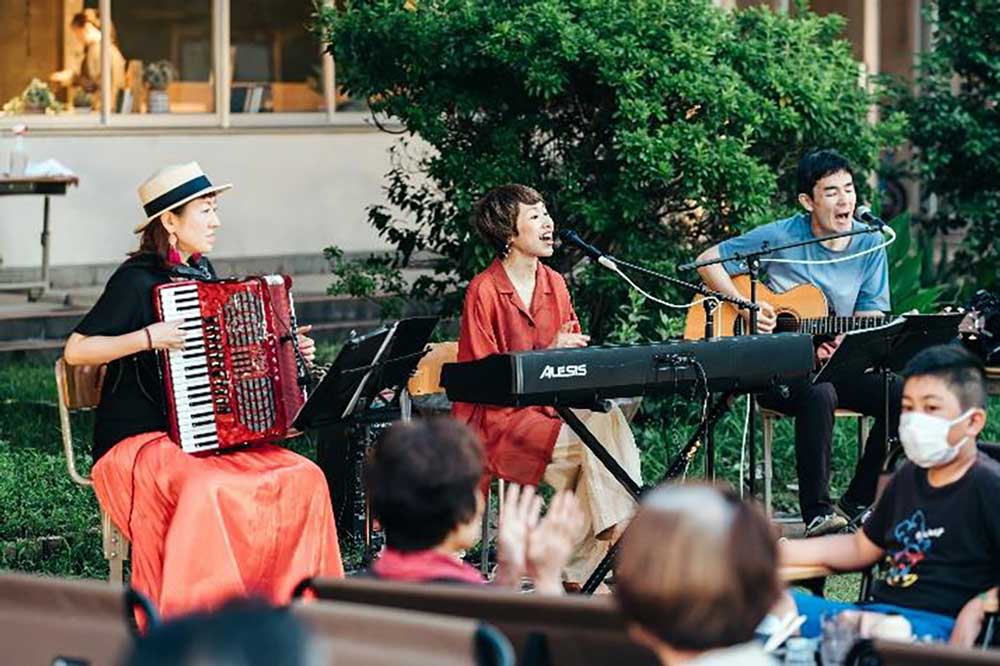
point(222, 117)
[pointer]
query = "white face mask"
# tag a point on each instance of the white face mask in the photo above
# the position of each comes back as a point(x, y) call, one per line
point(925, 438)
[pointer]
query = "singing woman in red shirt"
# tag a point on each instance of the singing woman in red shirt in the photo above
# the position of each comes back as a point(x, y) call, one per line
point(519, 304)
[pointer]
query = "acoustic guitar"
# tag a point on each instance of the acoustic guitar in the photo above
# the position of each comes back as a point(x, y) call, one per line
point(801, 309)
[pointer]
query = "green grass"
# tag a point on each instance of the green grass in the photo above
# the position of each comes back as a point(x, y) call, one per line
point(38, 500)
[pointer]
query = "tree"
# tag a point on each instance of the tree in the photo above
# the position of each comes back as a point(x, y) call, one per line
point(652, 127)
point(955, 130)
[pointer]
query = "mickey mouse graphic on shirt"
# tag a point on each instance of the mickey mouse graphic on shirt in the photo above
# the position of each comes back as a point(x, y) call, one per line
point(914, 539)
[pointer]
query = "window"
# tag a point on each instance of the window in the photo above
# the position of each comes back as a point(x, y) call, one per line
point(276, 62)
point(178, 62)
point(167, 45)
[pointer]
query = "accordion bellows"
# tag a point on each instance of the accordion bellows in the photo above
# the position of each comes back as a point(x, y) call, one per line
point(236, 381)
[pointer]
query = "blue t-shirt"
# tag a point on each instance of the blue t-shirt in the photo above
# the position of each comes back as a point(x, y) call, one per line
point(856, 285)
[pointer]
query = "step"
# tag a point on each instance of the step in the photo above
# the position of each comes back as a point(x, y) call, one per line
point(56, 324)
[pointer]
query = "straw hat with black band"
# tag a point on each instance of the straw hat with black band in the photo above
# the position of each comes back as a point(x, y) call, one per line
point(172, 187)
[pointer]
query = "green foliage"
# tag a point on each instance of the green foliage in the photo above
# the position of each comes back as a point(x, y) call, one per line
point(955, 129)
point(908, 263)
point(653, 128)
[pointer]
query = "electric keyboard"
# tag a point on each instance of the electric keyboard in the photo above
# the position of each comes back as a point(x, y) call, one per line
point(582, 377)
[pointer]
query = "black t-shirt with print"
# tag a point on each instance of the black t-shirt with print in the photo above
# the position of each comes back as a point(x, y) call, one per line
point(942, 544)
point(132, 395)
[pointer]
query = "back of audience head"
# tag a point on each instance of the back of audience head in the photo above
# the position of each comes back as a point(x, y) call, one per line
point(697, 570)
point(423, 478)
point(242, 633)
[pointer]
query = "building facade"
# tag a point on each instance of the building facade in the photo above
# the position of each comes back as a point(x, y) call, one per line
point(145, 89)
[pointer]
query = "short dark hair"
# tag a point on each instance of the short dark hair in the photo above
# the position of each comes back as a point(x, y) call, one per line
point(247, 632)
point(698, 567)
point(423, 477)
point(961, 371)
point(819, 164)
point(496, 213)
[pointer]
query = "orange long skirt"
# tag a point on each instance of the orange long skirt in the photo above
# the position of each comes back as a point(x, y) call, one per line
point(252, 522)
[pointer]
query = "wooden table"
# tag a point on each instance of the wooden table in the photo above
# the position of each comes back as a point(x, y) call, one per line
point(45, 186)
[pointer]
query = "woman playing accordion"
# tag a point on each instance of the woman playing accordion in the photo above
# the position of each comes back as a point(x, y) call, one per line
point(254, 521)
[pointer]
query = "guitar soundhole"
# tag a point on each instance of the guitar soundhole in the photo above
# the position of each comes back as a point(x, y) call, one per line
point(786, 322)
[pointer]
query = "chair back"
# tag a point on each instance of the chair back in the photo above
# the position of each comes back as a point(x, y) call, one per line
point(544, 630)
point(426, 378)
point(46, 621)
point(79, 388)
point(363, 635)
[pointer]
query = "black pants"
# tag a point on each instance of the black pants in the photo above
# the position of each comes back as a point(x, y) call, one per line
point(812, 405)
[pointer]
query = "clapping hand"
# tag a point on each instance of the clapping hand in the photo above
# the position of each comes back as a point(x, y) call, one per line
point(518, 516)
point(551, 543)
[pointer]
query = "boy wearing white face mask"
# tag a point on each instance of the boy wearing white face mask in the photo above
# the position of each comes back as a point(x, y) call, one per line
point(936, 529)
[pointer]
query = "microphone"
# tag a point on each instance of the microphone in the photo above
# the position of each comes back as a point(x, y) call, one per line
point(571, 237)
point(864, 214)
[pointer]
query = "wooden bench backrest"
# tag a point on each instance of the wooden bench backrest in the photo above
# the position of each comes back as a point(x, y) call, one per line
point(576, 630)
point(363, 635)
point(43, 619)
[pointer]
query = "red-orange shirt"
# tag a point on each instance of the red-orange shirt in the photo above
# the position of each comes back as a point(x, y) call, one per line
point(518, 441)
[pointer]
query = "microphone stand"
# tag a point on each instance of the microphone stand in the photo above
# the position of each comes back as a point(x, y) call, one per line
point(706, 428)
point(753, 262)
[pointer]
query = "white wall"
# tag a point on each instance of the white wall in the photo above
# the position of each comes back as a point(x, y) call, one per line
point(294, 192)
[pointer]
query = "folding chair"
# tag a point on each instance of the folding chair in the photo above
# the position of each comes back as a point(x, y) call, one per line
point(769, 417)
point(79, 390)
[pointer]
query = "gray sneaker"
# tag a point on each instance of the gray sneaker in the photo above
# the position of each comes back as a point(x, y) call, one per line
point(826, 524)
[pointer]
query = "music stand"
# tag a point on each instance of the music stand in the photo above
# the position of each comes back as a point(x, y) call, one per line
point(888, 348)
point(354, 401)
point(366, 366)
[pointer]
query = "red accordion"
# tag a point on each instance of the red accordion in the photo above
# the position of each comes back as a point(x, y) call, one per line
point(237, 379)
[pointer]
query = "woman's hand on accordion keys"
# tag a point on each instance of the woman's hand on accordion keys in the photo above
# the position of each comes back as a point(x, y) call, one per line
point(166, 335)
point(307, 346)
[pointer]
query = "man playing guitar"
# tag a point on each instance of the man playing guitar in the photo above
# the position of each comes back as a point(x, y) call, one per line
point(858, 287)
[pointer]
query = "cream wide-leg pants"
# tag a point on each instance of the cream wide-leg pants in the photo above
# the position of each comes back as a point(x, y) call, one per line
point(604, 501)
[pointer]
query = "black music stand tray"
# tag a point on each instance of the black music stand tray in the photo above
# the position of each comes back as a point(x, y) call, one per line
point(365, 368)
point(886, 349)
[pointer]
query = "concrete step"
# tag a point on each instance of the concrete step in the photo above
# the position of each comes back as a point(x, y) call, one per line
point(56, 324)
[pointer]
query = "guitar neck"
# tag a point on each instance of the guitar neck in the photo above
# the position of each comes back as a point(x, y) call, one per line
point(837, 325)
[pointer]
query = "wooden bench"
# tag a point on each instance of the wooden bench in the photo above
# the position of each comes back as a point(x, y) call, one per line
point(545, 631)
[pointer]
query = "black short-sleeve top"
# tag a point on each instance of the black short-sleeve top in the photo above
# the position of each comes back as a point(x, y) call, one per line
point(132, 399)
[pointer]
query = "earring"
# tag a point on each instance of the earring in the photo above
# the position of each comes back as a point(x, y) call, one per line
point(506, 249)
point(173, 256)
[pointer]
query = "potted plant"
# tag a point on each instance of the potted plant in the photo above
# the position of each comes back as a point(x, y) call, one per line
point(83, 101)
point(158, 76)
point(36, 98)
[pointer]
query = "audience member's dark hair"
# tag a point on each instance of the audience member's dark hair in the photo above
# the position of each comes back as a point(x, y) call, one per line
point(423, 478)
point(960, 370)
point(496, 213)
point(817, 165)
point(698, 568)
point(242, 633)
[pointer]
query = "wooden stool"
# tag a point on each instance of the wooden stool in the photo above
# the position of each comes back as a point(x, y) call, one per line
point(768, 419)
